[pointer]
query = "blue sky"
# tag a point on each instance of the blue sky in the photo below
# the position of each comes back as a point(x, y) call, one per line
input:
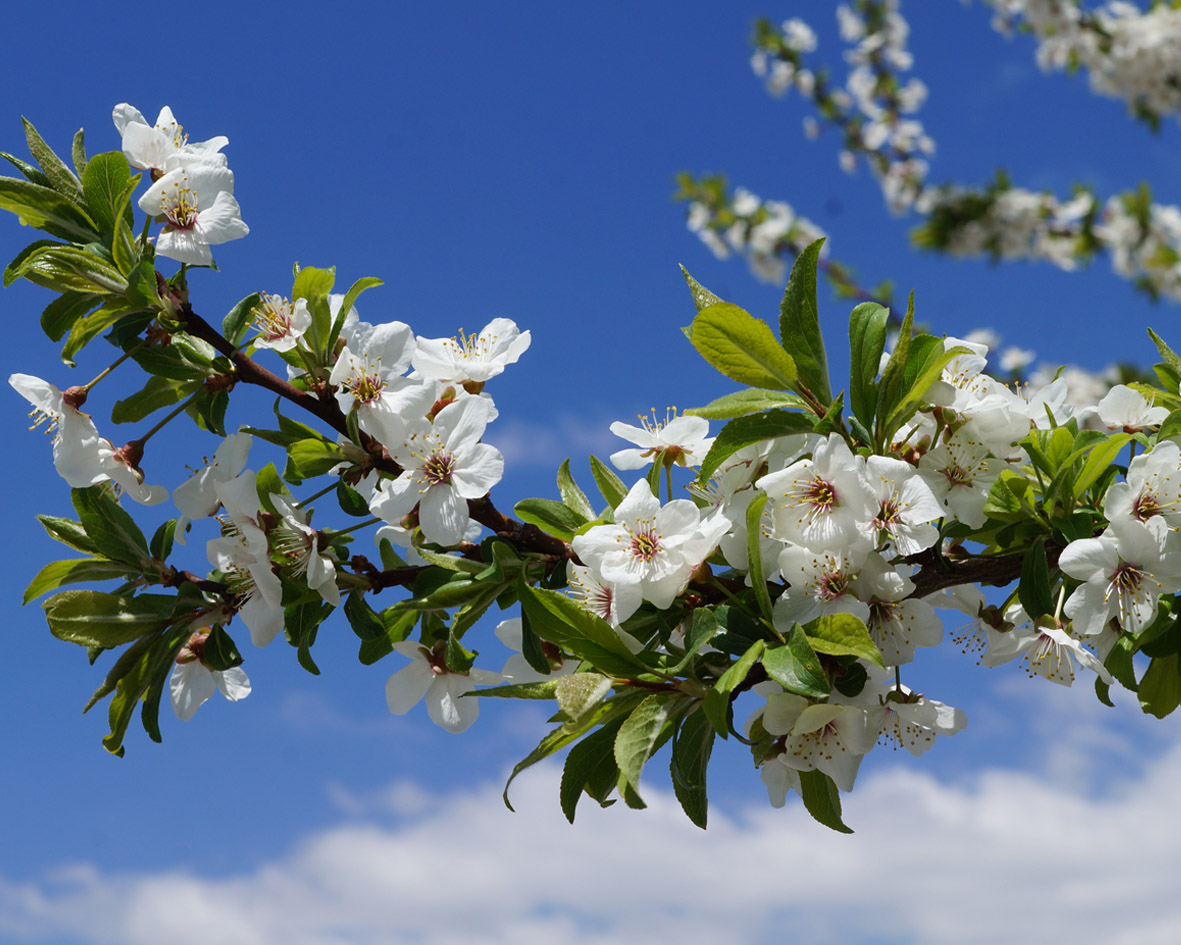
point(518, 160)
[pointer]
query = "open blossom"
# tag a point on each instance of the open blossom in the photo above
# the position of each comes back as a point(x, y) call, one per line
point(444, 466)
point(824, 737)
point(1124, 572)
point(243, 552)
point(653, 546)
point(198, 208)
point(1047, 650)
point(367, 377)
point(299, 542)
point(472, 358)
point(280, 322)
point(612, 601)
point(1151, 496)
point(822, 502)
point(80, 455)
point(906, 506)
point(681, 440)
point(196, 497)
point(1126, 409)
point(426, 677)
point(163, 146)
point(192, 682)
point(516, 668)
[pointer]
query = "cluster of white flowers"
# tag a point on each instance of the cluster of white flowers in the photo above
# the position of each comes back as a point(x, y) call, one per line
point(765, 233)
point(192, 190)
point(1128, 53)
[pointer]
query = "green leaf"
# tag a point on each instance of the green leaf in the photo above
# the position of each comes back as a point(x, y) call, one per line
point(60, 177)
point(68, 533)
point(545, 689)
point(301, 622)
point(796, 667)
point(702, 297)
point(754, 552)
point(34, 174)
point(799, 324)
point(890, 388)
point(744, 402)
point(867, 340)
point(105, 179)
point(75, 571)
point(1099, 460)
point(61, 314)
point(78, 152)
point(746, 431)
point(584, 758)
point(46, 209)
point(920, 373)
point(85, 330)
point(158, 392)
point(638, 735)
point(551, 517)
point(822, 800)
point(555, 617)
point(716, 704)
point(351, 502)
point(355, 290)
point(742, 347)
point(703, 626)
point(842, 635)
point(571, 494)
point(1170, 357)
point(239, 319)
point(398, 624)
point(314, 285)
point(570, 732)
point(108, 525)
point(1034, 590)
point(610, 485)
point(307, 459)
point(69, 269)
point(220, 652)
point(94, 618)
point(580, 693)
point(161, 544)
point(692, 746)
point(1160, 689)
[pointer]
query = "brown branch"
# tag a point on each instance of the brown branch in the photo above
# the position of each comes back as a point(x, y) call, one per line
point(936, 573)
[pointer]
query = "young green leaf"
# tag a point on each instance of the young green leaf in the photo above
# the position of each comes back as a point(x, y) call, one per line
point(799, 324)
point(742, 347)
point(867, 341)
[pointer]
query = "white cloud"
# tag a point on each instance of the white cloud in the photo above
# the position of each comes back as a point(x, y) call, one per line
point(535, 444)
point(1003, 856)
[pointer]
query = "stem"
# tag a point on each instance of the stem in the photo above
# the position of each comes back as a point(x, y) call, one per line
point(114, 364)
point(351, 528)
point(313, 498)
point(1058, 609)
point(668, 481)
point(172, 415)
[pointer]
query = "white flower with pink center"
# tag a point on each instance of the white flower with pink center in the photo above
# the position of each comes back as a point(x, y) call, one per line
point(197, 205)
point(824, 501)
point(444, 467)
point(653, 546)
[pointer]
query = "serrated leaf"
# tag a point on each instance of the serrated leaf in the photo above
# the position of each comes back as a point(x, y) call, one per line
point(1160, 689)
point(69, 269)
point(571, 494)
point(579, 693)
point(108, 525)
point(796, 667)
point(557, 618)
point(85, 330)
point(68, 533)
point(61, 314)
point(744, 402)
point(610, 485)
point(842, 635)
point(702, 297)
point(1034, 590)
point(1099, 460)
point(551, 517)
point(60, 176)
point(46, 209)
point(692, 746)
point(822, 800)
point(716, 703)
point(638, 735)
point(596, 749)
point(157, 393)
point(799, 324)
point(867, 340)
point(95, 618)
point(742, 347)
point(104, 182)
point(75, 571)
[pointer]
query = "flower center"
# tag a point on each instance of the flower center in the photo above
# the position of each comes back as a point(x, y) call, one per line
point(832, 585)
point(180, 207)
point(366, 387)
point(956, 475)
point(438, 468)
point(273, 319)
point(645, 545)
point(1145, 507)
point(1127, 579)
point(820, 494)
point(471, 347)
